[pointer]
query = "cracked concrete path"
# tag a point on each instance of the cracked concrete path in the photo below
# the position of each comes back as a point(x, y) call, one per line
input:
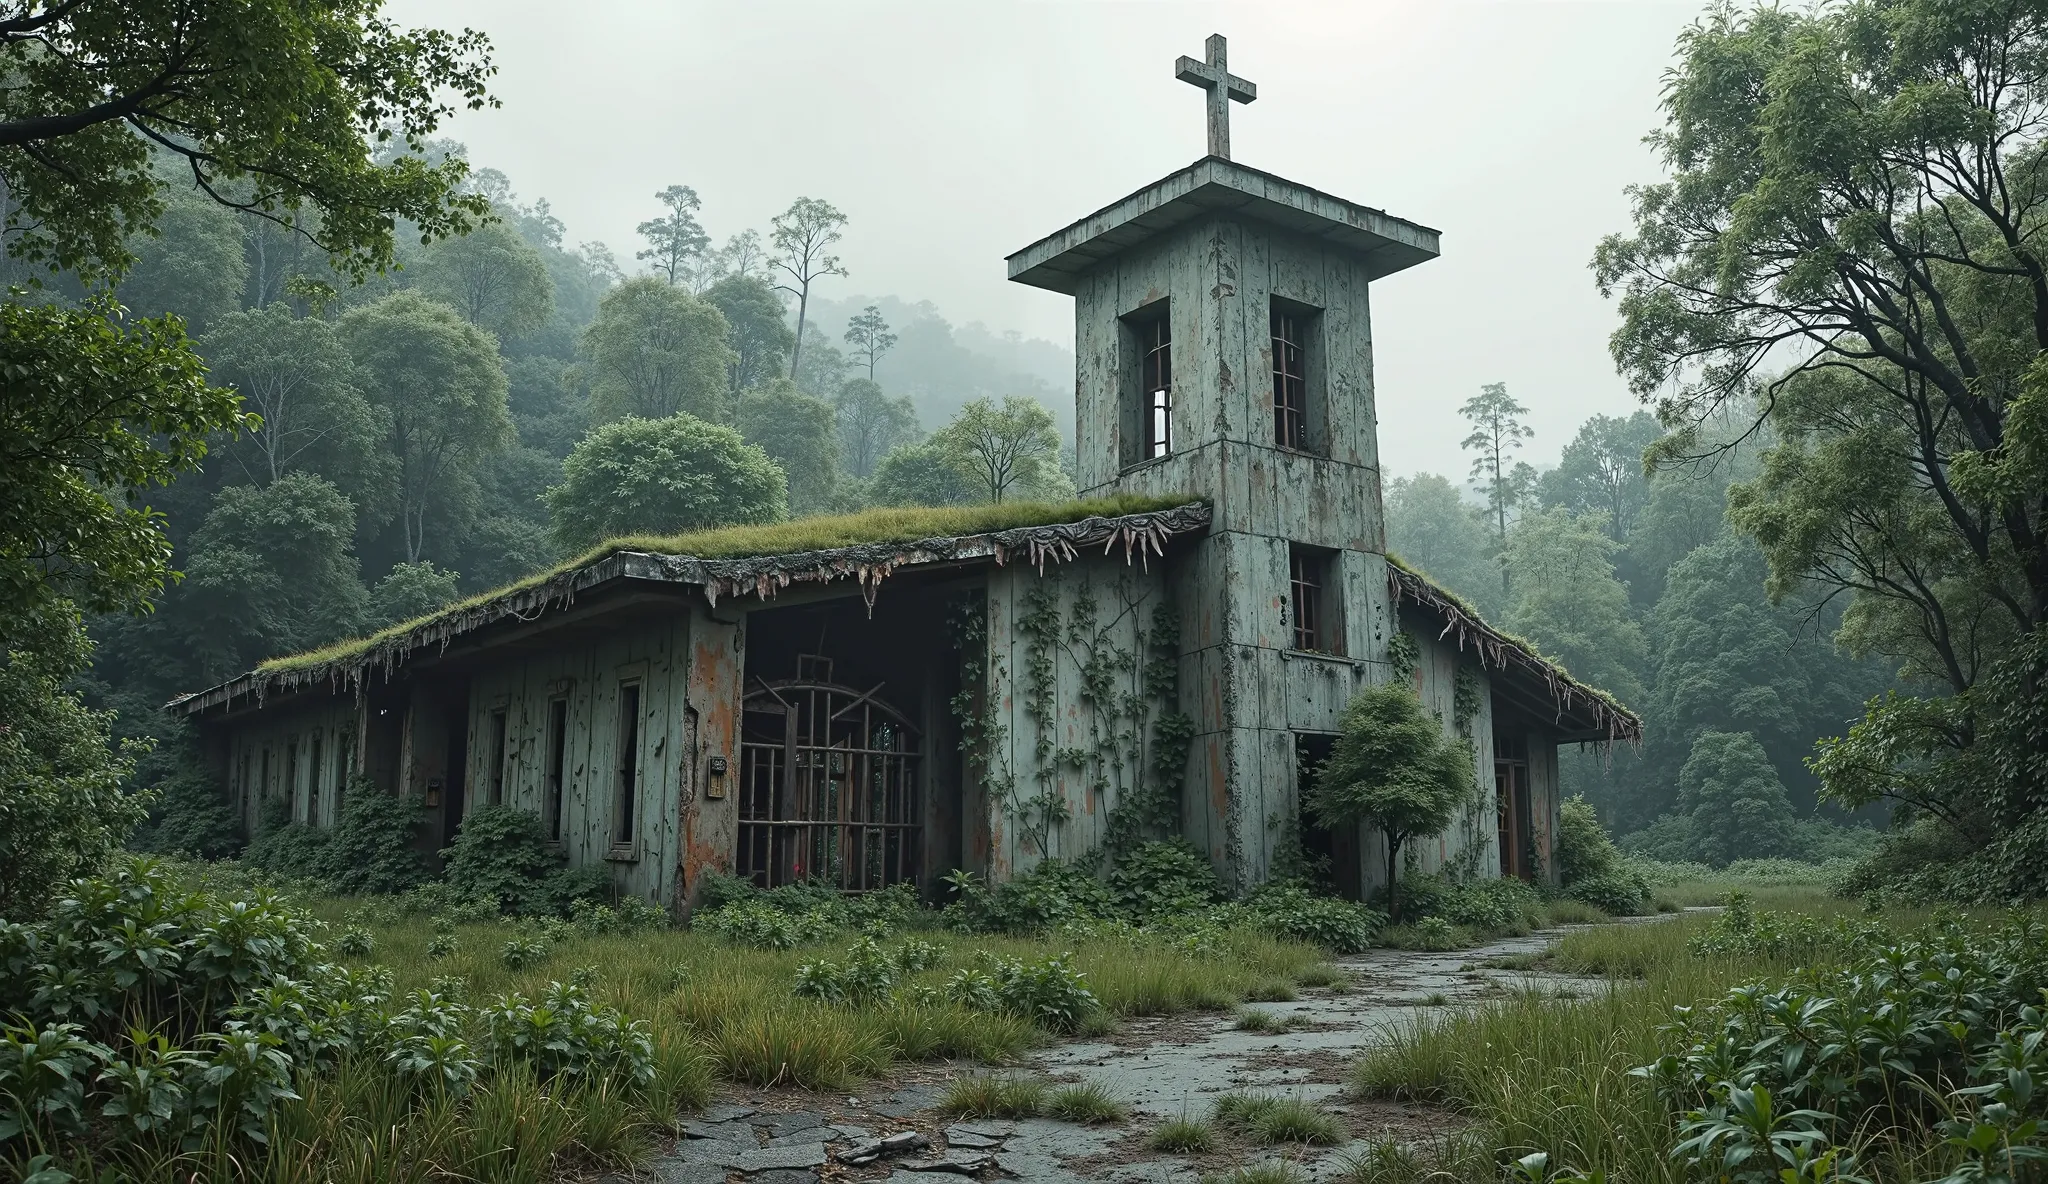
point(1163, 1068)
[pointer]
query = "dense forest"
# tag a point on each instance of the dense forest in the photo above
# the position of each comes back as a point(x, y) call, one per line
point(1635, 580)
point(500, 400)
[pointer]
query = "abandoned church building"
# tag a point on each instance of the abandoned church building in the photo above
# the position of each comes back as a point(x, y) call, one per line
point(1170, 660)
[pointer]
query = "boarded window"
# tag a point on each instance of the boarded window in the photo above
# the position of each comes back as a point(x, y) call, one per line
point(497, 751)
point(557, 767)
point(1311, 594)
point(626, 802)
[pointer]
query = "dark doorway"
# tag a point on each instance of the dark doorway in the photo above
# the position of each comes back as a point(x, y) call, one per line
point(850, 761)
point(829, 787)
point(457, 770)
point(1330, 857)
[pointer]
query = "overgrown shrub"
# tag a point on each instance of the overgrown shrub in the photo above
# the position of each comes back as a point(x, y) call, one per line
point(1492, 903)
point(62, 806)
point(1590, 867)
point(756, 923)
point(283, 847)
point(1291, 911)
point(1162, 878)
point(1916, 1047)
point(1052, 892)
point(1049, 992)
point(189, 815)
point(502, 854)
point(370, 849)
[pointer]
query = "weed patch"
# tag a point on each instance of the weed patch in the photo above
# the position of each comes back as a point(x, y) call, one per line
point(1182, 1136)
point(1006, 1095)
point(1087, 1102)
point(1273, 1120)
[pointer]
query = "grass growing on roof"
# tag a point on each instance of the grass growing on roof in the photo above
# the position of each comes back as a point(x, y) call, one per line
point(902, 524)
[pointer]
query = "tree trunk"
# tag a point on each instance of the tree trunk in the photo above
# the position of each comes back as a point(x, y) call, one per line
point(803, 304)
point(1393, 900)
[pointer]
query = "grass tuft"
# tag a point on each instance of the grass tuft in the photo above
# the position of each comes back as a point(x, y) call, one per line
point(1007, 1095)
point(1087, 1102)
point(1258, 1019)
point(1182, 1136)
point(1324, 974)
point(1272, 1120)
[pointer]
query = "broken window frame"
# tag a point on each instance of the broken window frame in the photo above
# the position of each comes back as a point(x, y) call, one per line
point(1290, 339)
point(626, 762)
point(1315, 616)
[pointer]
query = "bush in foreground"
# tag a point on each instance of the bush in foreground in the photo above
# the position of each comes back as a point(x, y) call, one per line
point(157, 1021)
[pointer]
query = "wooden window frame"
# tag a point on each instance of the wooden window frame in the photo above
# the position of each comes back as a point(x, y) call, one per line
point(501, 741)
point(555, 770)
point(627, 773)
point(1315, 607)
point(1298, 404)
point(1147, 411)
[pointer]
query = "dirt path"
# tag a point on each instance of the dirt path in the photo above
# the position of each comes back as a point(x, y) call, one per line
point(1162, 1068)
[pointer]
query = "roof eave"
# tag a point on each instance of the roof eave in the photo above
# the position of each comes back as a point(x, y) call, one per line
point(1214, 186)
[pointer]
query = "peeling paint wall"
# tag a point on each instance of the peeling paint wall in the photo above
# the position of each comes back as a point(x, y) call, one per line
point(302, 757)
point(1124, 597)
point(1248, 690)
point(592, 675)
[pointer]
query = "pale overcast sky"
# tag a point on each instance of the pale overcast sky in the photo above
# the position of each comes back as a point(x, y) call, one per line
point(953, 132)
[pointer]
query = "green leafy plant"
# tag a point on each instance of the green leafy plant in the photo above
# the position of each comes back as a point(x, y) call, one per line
point(1394, 769)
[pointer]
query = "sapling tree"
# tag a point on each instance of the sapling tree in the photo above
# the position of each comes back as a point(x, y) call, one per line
point(1393, 768)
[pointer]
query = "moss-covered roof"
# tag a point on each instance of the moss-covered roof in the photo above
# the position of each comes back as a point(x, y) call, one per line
point(1501, 650)
point(866, 546)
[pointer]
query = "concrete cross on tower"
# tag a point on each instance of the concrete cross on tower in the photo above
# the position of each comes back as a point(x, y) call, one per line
point(1215, 77)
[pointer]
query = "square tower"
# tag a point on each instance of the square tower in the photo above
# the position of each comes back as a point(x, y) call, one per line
point(1223, 347)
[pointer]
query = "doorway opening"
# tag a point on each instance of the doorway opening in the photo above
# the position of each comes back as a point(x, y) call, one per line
point(457, 773)
point(848, 749)
point(1330, 857)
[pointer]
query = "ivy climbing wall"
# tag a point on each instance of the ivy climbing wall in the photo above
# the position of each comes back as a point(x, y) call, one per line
point(1083, 740)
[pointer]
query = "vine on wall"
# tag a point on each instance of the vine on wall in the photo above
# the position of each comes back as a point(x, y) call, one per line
point(1136, 743)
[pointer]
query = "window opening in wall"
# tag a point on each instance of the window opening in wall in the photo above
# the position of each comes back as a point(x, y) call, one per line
point(1290, 379)
point(626, 803)
point(1311, 593)
point(291, 780)
point(347, 759)
point(557, 767)
point(498, 757)
point(1511, 802)
point(1156, 338)
point(263, 789)
point(245, 785)
point(317, 794)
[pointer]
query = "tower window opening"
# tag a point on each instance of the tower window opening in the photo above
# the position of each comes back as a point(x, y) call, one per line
point(1290, 380)
point(1156, 338)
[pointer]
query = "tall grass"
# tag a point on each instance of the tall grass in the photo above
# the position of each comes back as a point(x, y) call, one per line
point(1537, 1071)
point(718, 1012)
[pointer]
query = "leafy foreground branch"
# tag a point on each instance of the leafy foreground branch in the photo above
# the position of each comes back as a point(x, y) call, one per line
point(1766, 1049)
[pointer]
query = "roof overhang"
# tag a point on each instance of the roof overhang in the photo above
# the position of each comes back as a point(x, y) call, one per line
point(1211, 187)
point(1522, 678)
point(495, 619)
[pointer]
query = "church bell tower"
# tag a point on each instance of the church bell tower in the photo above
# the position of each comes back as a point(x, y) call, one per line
point(1223, 348)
